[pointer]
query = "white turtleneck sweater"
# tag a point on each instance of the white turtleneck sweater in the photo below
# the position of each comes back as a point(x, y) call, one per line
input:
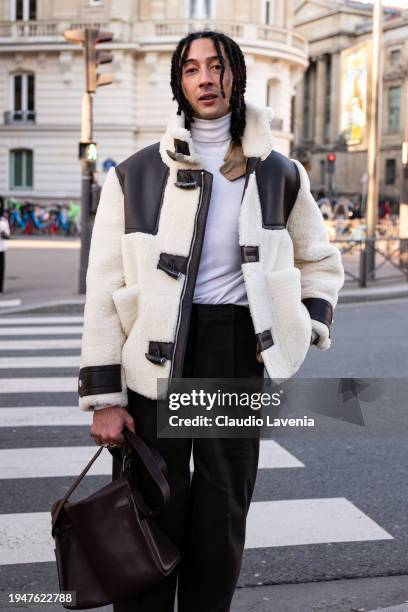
point(219, 279)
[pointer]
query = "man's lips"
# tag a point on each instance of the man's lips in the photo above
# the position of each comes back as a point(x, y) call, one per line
point(207, 97)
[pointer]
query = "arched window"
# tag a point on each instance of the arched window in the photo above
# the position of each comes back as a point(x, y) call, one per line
point(21, 169)
point(23, 10)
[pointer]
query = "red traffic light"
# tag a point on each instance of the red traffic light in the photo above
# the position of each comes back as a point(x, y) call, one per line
point(331, 157)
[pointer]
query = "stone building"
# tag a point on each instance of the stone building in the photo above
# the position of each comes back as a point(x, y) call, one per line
point(42, 79)
point(331, 27)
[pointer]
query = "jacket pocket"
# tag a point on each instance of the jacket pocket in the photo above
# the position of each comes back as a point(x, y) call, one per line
point(126, 300)
point(291, 323)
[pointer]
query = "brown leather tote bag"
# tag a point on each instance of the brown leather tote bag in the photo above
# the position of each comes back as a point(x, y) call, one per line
point(108, 546)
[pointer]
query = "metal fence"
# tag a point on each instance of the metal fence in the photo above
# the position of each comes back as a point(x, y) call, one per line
point(390, 252)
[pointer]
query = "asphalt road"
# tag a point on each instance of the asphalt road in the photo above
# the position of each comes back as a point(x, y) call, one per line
point(347, 489)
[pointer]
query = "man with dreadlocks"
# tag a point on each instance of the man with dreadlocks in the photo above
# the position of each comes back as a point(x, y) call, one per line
point(209, 258)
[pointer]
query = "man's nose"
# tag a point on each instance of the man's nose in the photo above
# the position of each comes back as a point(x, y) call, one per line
point(206, 78)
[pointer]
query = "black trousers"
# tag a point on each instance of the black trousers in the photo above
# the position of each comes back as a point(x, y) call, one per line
point(206, 517)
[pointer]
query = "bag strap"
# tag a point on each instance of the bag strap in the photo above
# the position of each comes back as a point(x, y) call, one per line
point(156, 468)
point(153, 463)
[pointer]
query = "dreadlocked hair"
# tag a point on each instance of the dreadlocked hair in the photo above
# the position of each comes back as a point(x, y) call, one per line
point(238, 68)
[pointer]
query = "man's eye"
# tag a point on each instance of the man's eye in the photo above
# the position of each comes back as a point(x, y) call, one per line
point(218, 66)
point(189, 70)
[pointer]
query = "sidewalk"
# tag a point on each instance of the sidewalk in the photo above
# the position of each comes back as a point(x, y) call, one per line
point(383, 594)
point(42, 277)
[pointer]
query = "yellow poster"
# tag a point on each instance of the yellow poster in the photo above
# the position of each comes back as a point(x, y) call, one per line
point(353, 109)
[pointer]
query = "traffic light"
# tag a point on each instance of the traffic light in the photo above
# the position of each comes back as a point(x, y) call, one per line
point(331, 159)
point(90, 38)
point(88, 151)
point(93, 58)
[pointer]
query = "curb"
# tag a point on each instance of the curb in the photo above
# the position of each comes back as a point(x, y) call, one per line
point(76, 305)
point(371, 294)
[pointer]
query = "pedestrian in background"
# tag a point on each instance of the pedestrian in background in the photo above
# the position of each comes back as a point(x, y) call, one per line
point(4, 235)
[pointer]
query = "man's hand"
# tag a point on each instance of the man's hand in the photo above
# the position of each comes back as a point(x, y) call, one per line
point(108, 424)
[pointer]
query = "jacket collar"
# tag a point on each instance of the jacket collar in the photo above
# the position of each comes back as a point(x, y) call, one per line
point(177, 147)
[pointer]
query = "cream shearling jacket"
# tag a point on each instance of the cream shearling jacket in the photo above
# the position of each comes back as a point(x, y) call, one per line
point(145, 251)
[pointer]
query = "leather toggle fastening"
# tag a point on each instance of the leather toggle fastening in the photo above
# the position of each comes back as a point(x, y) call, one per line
point(181, 146)
point(159, 352)
point(249, 254)
point(175, 156)
point(186, 180)
point(173, 265)
point(264, 340)
point(181, 150)
point(184, 185)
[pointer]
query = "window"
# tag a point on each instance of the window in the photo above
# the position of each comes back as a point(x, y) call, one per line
point(394, 107)
point(199, 9)
point(269, 14)
point(274, 96)
point(23, 108)
point(390, 168)
point(24, 10)
point(395, 57)
point(21, 169)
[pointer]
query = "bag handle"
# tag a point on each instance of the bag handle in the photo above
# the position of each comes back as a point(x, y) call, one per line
point(153, 463)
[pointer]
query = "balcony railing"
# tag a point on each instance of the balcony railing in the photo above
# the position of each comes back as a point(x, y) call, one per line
point(46, 31)
point(181, 27)
point(41, 31)
point(21, 30)
point(20, 116)
point(282, 36)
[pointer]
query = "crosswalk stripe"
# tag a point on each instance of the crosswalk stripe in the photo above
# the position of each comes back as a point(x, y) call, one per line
point(26, 537)
point(33, 320)
point(29, 345)
point(41, 331)
point(274, 455)
point(67, 361)
point(39, 385)
point(309, 521)
point(9, 303)
point(48, 462)
point(42, 416)
point(43, 462)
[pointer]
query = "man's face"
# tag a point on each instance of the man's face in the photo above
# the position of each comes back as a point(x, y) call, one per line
point(201, 77)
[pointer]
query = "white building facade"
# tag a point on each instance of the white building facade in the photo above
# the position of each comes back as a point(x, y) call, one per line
point(331, 27)
point(42, 80)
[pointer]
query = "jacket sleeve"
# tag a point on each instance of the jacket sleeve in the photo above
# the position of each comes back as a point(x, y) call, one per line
point(319, 261)
point(101, 376)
